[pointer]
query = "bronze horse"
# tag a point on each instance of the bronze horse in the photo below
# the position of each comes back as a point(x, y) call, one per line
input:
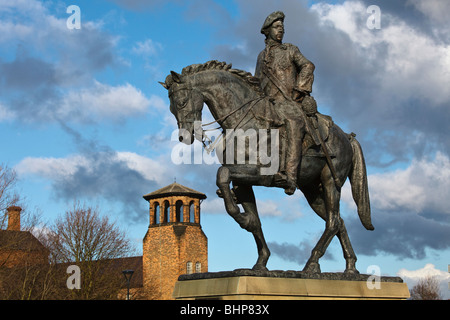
point(235, 100)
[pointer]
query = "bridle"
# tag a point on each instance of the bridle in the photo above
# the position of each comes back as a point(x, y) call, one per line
point(213, 144)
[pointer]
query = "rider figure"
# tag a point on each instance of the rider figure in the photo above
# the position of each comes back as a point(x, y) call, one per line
point(282, 70)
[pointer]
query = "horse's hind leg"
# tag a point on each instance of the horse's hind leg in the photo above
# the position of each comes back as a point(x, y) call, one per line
point(315, 200)
point(326, 204)
point(246, 197)
point(349, 254)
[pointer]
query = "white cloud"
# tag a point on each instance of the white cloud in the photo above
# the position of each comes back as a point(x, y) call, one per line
point(268, 208)
point(5, 113)
point(213, 206)
point(147, 48)
point(51, 167)
point(412, 277)
point(104, 101)
point(150, 169)
point(416, 65)
point(66, 61)
point(428, 271)
point(62, 168)
point(159, 104)
point(422, 186)
point(343, 17)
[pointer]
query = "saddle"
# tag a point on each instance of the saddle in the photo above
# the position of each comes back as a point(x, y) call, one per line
point(322, 124)
point(270, 119)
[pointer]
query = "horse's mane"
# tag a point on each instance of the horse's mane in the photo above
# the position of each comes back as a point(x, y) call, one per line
point(217, 65)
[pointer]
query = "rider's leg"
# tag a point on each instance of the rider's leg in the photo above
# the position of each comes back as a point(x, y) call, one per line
point(295, 134)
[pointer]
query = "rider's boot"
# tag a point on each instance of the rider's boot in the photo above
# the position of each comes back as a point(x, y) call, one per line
point(295, 134)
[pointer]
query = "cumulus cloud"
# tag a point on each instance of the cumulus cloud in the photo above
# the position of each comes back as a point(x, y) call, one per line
point(103, 101)
point(412, 277)
point(119, 177)
point(5, 113)
point(408, 208)
point(421, 187)
point(51, 78)
point(97, 171)
point(147, 47)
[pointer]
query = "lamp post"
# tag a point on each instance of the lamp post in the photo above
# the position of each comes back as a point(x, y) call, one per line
point(128, 274)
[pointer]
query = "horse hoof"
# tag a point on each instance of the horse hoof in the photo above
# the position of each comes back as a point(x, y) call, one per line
point(351, 271)
point(259, 267)
point(312, 267)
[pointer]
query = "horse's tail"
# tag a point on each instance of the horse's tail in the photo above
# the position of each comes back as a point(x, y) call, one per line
point(360, 188)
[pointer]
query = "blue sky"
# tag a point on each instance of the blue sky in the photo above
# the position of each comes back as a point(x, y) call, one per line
point(83, 117)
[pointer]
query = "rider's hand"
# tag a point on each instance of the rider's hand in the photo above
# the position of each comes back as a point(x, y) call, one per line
point(298, 95)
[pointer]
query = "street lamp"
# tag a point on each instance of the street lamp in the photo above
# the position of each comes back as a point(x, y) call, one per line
point(128, 274)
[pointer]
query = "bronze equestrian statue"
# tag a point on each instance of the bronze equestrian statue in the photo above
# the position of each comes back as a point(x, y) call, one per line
point(315, 155)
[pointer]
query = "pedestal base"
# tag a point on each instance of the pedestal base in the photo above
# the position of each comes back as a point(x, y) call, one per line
point(281, 288)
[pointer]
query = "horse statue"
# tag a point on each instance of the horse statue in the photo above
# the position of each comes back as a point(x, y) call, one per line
point(236, 101)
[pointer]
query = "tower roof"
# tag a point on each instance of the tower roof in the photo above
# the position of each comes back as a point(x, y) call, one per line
point(174, 189)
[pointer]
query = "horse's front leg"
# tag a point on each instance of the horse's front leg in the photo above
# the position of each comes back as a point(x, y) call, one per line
point(246, 197)
point(249, 219)
point(223, 182)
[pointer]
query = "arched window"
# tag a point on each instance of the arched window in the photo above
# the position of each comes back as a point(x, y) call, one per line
point(198, 267)
point(189, 267)
point(156, 213)
point(166, 211)
point(191, 212)
point(179, 211)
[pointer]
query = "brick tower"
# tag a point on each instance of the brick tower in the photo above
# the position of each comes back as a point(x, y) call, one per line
point(174, 243)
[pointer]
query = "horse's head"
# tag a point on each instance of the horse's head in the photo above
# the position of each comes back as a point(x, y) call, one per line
point(186, 104)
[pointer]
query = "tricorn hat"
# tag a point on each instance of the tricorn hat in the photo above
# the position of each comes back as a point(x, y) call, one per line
point(274, 16)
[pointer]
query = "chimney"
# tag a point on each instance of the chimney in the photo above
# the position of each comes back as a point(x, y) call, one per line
point(14, 218)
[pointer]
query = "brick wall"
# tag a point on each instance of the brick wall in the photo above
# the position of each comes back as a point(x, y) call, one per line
point(169, 246)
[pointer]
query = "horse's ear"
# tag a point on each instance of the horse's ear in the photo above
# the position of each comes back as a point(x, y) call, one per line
point(175, 76)
point(164, 85)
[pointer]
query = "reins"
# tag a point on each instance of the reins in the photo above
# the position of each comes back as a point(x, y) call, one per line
point(212, 145)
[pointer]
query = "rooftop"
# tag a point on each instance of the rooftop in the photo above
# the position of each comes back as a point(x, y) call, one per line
point(174, 189)
point(19, 240)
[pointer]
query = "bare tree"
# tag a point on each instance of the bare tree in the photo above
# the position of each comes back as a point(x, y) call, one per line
point(426, 289)
point(84, 238)
point(23, 263)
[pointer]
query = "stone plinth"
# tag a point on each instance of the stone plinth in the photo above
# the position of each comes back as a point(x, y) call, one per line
point(286, 285)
